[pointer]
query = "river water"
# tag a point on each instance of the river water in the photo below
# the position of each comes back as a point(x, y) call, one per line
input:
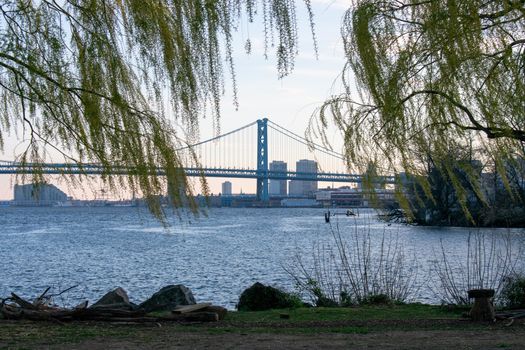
point(216, 256)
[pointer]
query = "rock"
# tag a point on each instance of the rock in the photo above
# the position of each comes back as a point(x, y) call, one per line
point(260, 297)
point(168, 298)
point(116, 299)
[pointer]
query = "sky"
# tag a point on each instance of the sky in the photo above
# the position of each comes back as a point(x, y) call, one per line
point(288, 102)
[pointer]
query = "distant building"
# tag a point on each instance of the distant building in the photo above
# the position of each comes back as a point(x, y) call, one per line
point(278, 187)
point(296, 188)
point(304, 188)
point(36, 195)
point(227, 188)
point(354, 197)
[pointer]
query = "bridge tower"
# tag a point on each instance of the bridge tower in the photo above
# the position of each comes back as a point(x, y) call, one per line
point(262, 160)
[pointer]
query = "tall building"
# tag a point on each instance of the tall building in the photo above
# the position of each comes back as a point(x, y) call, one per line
point(41, 194)
point(304, 188)
point(278, 187)
point(296, 188)
point(226, 188)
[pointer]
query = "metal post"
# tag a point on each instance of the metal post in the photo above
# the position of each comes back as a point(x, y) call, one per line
point(262, 160)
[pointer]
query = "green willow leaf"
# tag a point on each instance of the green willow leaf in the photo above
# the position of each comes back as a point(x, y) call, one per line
point(95, 79)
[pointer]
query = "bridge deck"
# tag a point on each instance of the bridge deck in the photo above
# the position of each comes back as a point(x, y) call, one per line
point(94, 169)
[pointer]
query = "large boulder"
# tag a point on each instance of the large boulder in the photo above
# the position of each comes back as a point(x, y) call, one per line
point(116, 299)
point(168, 298)
point(260, 297)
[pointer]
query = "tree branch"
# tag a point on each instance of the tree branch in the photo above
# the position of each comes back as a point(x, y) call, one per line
point(490, 131)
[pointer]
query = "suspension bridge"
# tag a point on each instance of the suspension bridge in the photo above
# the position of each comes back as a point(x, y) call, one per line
point(235, 155)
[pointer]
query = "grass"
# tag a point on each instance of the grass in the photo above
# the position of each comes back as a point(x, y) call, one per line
point(359, 320)
point(362, 313)
point(22, 334)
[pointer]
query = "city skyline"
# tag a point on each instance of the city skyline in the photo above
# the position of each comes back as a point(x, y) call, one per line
point(226, 187)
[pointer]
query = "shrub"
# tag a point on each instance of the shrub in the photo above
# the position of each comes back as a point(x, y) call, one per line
point(351, 270)
point(319, 298)
point(513, 292)
point(377, 299)
point(489, 259)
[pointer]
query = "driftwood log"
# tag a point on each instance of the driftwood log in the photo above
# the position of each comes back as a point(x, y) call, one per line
point(184, 309)
point(17, 308)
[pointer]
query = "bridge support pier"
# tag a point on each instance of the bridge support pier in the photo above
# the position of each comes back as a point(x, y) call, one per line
point(262, 161)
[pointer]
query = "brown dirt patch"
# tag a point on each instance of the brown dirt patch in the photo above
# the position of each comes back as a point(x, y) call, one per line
point(381, 334)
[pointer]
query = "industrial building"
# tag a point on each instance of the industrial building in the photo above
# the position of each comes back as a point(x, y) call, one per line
point(304, 188)
point(278, 187)
point(38, 195)
point(226, 188)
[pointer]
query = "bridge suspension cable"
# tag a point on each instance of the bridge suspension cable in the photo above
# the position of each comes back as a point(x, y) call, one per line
point(219, 136)
point(237, 149)
point(304, 141)
point(290, 148)
point(233, 150)
point(234, 154)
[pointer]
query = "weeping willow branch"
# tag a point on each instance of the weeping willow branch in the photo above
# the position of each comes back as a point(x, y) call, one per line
point(105, 81)
point(491, 132)
point(431, 77)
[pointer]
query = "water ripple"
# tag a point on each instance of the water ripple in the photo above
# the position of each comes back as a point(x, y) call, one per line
point(216, 256)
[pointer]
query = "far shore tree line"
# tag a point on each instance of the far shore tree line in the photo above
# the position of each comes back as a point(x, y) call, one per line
point(470, 194)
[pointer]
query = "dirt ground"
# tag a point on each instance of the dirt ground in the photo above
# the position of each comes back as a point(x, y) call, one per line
point(387, 340)
point(415, 334)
